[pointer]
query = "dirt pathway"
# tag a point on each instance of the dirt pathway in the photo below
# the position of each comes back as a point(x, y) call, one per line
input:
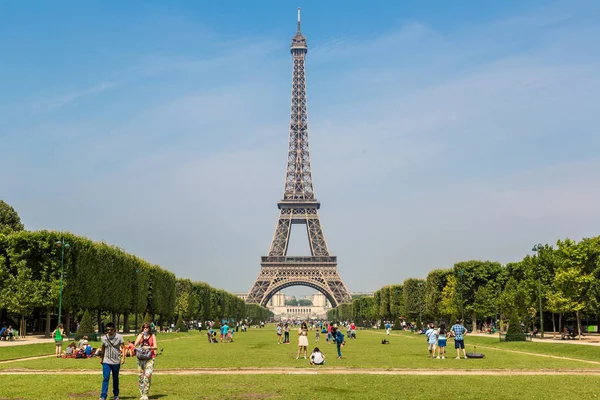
point(319, 371)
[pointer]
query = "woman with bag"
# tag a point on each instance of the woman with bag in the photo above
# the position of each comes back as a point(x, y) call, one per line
point(145, 346)
point(58, 335)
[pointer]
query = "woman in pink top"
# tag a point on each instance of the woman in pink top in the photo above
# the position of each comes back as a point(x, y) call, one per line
point(146, 339)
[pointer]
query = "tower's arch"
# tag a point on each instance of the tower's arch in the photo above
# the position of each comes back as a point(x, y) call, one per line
point(278, 287)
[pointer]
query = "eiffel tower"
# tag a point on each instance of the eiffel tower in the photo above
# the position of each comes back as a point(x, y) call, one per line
point(299, 206)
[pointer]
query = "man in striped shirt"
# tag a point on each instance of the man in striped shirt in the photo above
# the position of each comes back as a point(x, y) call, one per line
point(458, 331)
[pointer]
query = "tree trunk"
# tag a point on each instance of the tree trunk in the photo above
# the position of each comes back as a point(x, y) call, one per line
point(560, 323)
point(67, 321)
point(553, 327)
point(578, 314)
point(23, 327)
point(126, 322)
point(99, 322)
point(47, 330)
point(474, 322)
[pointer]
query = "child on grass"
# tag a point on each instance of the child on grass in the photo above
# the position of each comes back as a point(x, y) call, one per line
point(317, 357)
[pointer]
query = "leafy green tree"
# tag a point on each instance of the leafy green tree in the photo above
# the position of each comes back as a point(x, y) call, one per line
point(514, 300)
point(9, 219)
point(292, 302)
point(470, 275)
point(414, 299)
point(486, 300)
point(448, 305)
point(305, 302)
point(397, 308)
point(434, 285)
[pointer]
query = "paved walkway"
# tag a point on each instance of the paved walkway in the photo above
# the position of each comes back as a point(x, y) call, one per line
point(591, 339)
point(25, 340)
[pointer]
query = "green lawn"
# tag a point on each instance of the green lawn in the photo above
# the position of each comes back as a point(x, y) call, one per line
point(31, 350)
point(307, 387)
point(257, 348)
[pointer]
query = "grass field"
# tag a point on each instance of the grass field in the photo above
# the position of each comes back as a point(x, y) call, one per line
point(185, 353)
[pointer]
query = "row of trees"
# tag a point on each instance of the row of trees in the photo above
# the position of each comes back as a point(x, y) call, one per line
point(566, 277)
point(102, 278)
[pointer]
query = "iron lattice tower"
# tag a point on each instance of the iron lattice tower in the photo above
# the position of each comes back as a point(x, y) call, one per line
point(299, 206)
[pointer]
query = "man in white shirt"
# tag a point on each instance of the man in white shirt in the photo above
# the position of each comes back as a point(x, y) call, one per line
point(432, 336)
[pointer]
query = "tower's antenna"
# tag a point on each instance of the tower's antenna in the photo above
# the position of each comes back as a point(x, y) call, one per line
point(298, 19)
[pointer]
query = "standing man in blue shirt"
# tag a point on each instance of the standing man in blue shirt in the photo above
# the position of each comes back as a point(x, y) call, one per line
point(388, 326)
point(458, 331)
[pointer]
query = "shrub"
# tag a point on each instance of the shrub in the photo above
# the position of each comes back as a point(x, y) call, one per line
point(180, 326)
point(85, 326)
point(514, 333)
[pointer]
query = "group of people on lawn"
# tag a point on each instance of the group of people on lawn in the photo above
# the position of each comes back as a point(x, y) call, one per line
point(437, 338)
point(334, 335)
point(112, 355)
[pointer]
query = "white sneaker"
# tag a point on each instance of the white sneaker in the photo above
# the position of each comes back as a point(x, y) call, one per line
point(297, 358)
point(438, 357)
point(443, 358)
point(457, 358)
point(305, 357)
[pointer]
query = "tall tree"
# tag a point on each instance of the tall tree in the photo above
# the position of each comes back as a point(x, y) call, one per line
point(9, 219)
point(414, 299)
point(434, 285)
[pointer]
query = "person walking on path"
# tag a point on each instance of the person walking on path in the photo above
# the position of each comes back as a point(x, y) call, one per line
point(146, 340)
point(58, 335)
point(302, 340)
point(112, 358)
point(458, 331)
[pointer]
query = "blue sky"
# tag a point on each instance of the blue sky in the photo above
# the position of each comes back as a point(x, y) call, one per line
point(440, 131)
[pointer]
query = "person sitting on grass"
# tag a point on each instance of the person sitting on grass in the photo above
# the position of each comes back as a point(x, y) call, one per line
point(385, 341)
point(129, 349)
point(80, 344)
point(317, 357)
point(71, 350)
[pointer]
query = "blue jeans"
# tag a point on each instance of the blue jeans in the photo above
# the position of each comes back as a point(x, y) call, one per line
point(338, 344)
point(106, 370)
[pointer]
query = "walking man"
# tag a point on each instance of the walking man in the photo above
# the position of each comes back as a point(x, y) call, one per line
point(458, 331)
point(432, 337)
point(112, 358)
